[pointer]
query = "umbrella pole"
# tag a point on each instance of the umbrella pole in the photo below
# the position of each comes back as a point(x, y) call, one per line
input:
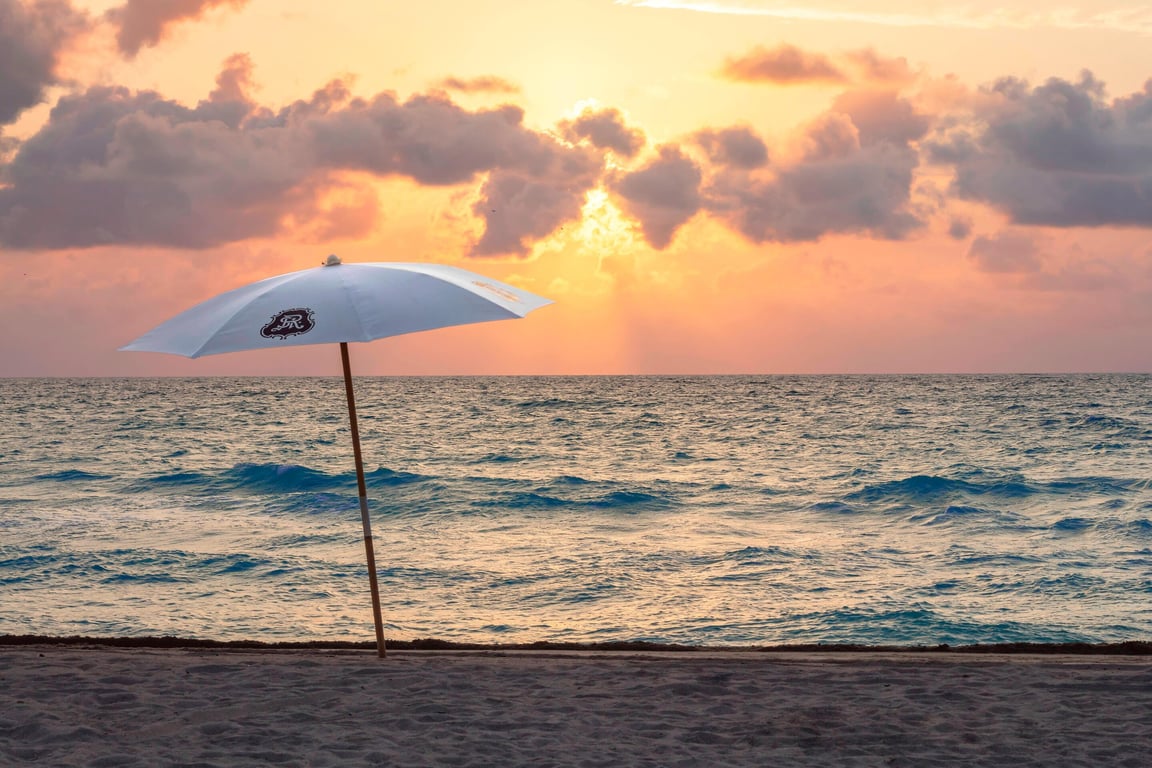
point(363, 500)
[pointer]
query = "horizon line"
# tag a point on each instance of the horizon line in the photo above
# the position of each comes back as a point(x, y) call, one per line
point(574, 375)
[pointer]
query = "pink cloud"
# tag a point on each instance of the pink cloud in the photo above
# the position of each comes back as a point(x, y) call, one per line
point(481, 84)
point(32, 36)
point(606, 129)
point(133, 168)
point(662, 195)
point(1006, 253)
point(737, 147)
point(789, 65)
point(144, 23)
point(783, 65)
point(855, 176)
point(1059, 154)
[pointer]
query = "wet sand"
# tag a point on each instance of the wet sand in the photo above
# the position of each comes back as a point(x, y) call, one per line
point(103, 707)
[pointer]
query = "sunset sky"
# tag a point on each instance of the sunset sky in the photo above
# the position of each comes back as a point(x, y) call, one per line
point(711, 186)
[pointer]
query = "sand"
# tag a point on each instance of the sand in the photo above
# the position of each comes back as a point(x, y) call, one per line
point(101, 707)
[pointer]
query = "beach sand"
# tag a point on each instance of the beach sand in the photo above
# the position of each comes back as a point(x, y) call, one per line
point(104, 707)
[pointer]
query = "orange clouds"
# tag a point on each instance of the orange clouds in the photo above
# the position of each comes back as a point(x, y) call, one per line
point(34, 34)
point(156, 172)
point(785, 64)
point(31, 38)
point(482, 84)
point(144, 23)
point(1059, 154)
point(788, 65)
point(133, 168)
point(606, 129)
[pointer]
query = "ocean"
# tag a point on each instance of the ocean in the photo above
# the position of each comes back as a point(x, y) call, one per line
point(703, 510)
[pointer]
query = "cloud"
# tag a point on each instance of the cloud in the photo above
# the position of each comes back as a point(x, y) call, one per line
point(235, 80)
point(1041, 265)
point(737, 147)
point(662, 195)
point(852, 172)
point(959, 228)
point(482, 84)
point(1006, 253)
point(32, 35)
point(975, 14)
point(144, 23)
point(1059, 154)
point(35, 33)
point(865, 191)
point(848, 178)
point(874, 68)
point(882, 116)
point(606, 129)
point(427, 138)
point(783, 65)
point(1084, 275)
point(113, 166)
point(519, 206)
point(117, 167)
point(789, 65)
point(830, 135)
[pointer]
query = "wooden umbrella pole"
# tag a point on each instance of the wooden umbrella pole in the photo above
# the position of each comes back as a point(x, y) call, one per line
point(363, 500)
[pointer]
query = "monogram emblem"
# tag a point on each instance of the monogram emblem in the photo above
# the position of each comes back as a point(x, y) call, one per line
point(288, 322)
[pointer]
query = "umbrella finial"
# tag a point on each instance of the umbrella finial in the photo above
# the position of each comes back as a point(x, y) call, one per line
point(332, 261)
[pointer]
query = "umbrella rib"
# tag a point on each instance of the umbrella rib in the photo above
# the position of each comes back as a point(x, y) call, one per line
point(347, 289)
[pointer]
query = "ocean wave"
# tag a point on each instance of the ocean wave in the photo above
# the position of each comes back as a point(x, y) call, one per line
point(526, 500)
point(628, 500)
point(925, 488)
point(921, 487)
point(1114, 425)
point(1073, 525)
point(834, 508)
point(631, 501)
point(321, 503)
point(498, 458)
point(965, 558)
point(279, 478)
point(275, 479)
point(961, 514)
point(72, 475)
point(1140, 527)
point(144, 578)
point(109, 566)
point(172, 479)
point(1090, 485)
point(758, 555)
point(550, 402)
point(890, 624)
point(570, 480)
point(382, 477)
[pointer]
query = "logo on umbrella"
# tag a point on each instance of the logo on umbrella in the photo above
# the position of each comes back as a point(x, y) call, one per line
point(501, 292)
point(289, 322)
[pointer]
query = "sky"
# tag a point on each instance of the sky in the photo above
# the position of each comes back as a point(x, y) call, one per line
point(702, 187)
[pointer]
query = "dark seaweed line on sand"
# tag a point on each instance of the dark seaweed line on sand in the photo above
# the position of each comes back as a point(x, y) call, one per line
point(1129, 648)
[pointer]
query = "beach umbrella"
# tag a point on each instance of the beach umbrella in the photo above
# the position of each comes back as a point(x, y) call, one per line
point(339, 303)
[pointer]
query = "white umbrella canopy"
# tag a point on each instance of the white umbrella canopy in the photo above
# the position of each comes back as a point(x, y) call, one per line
point(336, 304)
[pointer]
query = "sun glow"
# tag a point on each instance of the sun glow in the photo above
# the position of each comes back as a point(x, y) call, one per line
point(603, 227)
